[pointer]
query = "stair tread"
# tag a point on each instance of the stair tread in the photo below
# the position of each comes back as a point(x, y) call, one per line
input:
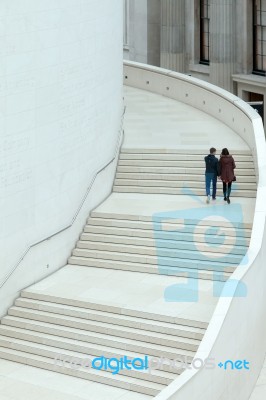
point(156, 153)
point(136, 264)
point(113, 308)
point(184, 163)
point(156, 182)
point(161, 150)
point(176, 191)
point(76, 354)
point(199, 171)
point(184, 261)
point(94, 324)
point(156, 221)
point(174, 176)
point(103, 375)
point(156, 248)
point(140, 234)
point(93, 349)
point(120, 317)
point(152, 242)
point(87, 334)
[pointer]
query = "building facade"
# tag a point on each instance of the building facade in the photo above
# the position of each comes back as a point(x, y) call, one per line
point(220, 41)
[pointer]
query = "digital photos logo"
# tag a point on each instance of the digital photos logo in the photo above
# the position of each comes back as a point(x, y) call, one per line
point(147, 364)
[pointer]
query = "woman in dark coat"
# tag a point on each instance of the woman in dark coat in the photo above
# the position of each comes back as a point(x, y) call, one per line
point(227, 175)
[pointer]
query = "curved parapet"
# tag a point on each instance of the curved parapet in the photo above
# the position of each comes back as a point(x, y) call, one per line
point(237, 329)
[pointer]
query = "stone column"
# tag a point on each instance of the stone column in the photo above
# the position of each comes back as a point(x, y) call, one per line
point(222, 42)
point(153, 31)
point(173, 34)
point(138, 31)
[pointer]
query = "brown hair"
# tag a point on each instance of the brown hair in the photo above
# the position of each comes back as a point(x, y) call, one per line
point(212, 150)
point(225, 152)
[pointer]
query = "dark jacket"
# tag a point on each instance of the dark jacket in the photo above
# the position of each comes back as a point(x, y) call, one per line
point(227, 166)
point(211, 163)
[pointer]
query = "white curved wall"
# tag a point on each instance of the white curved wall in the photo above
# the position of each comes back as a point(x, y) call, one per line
point(60, 116)
point(237, 329)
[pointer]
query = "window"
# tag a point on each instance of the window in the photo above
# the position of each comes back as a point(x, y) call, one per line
point(126, 22)
point(205, 32)
point(259, 37)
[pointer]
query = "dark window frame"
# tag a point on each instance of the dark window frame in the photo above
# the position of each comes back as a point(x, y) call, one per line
point(204, 22)
point(259, 38)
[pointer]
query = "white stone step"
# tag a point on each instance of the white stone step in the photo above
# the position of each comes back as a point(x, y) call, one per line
point(172, 156)
point(38, 339)
point(146, 182)
point(141, 234)
point(155, 223)
point(187, 152)
point(81, 341)
point(63, 356)
point(102, 306)
point(206, 242)
point(176, 163)
point(103, 327)
point(112, 318)
point(160, 261)
point(178, 191)
point(123, 382)
point(187, 171)
point(177, 177)
point(190, 251)
point(192, 273)
point(151, 269)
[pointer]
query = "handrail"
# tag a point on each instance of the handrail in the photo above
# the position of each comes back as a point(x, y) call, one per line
point(118, 146)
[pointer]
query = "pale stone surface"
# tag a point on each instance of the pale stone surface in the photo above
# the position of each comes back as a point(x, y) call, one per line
point(126, 289)
point(23, 382)
point(149, 204)
point(155, 121)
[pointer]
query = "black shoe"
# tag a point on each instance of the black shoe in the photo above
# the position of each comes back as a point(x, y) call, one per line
point(228, 200)
point(225, 198)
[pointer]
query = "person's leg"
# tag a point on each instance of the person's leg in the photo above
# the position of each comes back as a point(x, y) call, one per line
point(224, 190)
point(208, 186)
point(214, 187)
point(229, 192)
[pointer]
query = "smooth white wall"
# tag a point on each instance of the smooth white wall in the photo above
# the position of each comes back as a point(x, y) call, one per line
point(60, 115)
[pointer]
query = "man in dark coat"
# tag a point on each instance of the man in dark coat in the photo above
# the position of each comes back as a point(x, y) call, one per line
point(211, 173)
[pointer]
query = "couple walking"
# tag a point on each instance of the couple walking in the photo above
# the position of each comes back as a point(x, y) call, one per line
point(224, 169)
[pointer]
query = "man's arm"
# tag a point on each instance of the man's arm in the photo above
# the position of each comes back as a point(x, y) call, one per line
point(217, 167)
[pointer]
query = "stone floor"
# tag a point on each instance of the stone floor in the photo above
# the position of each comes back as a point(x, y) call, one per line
point(22, 382)
point(155, 121)
point(149, 205)
point(125, 289)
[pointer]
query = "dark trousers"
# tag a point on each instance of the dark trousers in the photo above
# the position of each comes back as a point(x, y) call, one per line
point(227, 189)
point(211, 177)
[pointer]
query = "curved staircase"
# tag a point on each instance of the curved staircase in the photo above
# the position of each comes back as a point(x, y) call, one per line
point(50, 330)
